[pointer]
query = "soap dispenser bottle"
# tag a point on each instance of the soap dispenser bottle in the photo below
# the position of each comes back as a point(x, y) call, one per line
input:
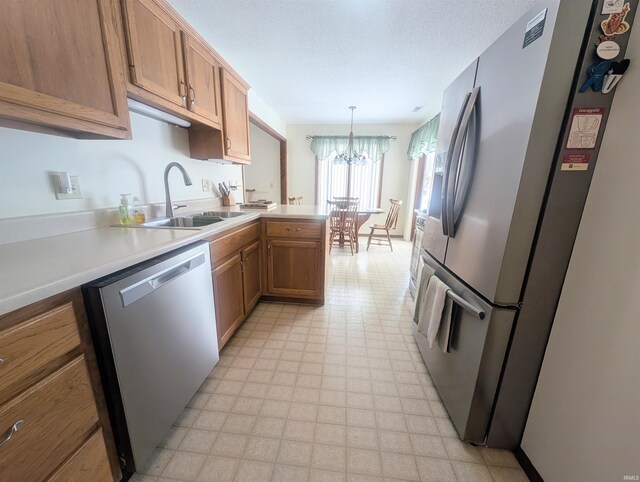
point(138, 212)
point(125, 210)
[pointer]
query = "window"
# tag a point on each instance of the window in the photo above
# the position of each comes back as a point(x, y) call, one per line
point(363, 181)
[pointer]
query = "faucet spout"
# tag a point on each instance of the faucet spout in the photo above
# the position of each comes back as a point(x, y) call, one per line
point(187, 182)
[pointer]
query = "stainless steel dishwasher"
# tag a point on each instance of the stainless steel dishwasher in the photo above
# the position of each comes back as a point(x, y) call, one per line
point(154, 332)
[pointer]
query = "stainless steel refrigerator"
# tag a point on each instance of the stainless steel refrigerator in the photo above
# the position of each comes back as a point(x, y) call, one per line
point(517, 146)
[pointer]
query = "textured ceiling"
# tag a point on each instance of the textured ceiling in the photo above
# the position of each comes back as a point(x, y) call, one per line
point(311, 59)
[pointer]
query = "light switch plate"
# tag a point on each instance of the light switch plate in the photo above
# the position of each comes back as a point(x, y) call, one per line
point(206, 187)
point(75, 190)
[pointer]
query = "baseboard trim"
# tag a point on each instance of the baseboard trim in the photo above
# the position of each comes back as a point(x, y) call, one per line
point(527, 465)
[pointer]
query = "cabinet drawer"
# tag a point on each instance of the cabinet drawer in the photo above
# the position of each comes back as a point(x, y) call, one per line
point(56, 414)
point(27, 349)
point(90, 462)
point(287, 229)
point(233, 242)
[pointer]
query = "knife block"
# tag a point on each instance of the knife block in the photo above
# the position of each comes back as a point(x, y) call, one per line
point(228, 200)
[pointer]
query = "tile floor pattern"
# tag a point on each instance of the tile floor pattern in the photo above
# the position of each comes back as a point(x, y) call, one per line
point(336, 393)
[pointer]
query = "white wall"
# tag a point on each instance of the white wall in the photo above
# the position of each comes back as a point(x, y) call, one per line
point(263, 174)
point(266, 114)
point(105, 169)
point(301, 167)
point(584, 423)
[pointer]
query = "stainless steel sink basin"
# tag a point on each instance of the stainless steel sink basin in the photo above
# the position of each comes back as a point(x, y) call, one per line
point(219, 214)
point(192, 222)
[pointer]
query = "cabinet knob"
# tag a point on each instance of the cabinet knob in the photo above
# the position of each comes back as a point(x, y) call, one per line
point(13, 429)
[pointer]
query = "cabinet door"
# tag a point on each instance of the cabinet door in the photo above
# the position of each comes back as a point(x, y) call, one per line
point(236, 118)
point(227, 295)
point(155, 52)
point(203, 79)
point(61, 66)
point(251, 275)
point(293, 268)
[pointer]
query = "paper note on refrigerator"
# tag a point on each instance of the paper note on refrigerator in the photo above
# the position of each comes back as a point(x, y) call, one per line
point(585, 126)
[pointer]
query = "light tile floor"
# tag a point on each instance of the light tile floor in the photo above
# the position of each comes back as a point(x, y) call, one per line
point(337, 393)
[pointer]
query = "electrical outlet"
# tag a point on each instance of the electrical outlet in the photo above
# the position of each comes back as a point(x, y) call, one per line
point(75, 190)
point(206, 187)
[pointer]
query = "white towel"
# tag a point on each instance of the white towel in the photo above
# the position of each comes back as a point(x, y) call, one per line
point(424, 277)
point(432, 309)
point(444, 334)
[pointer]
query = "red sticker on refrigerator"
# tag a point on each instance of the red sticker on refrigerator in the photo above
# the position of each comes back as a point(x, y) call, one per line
point(575, 162)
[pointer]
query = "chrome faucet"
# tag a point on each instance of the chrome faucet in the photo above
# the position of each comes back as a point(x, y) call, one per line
point(187, 182)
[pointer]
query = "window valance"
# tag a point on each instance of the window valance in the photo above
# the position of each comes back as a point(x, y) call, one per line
point(424, 139)
point(374, 146)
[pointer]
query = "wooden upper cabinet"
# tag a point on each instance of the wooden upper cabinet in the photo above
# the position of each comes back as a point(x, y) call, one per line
point(236, 118)
point(203, 80)
point(155, 50)
point(61, 67)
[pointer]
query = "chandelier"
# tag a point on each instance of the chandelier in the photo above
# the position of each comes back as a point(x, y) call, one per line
point(350, 156)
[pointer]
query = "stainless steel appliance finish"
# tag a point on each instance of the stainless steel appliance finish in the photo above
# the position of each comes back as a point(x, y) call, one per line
point(169, 207)
point(415, 266)
point(155, 334)
point(504, 215)
point(467, 376)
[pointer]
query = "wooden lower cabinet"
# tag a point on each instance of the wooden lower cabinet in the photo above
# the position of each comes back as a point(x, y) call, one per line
point(296, 261)
point(229, 301)
point(236, 257)
point(293, 268)
point(252, 275)
point(51, 402)
point(90, 462)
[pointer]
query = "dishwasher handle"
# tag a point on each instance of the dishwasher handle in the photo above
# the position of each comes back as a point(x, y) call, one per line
point(139, 290)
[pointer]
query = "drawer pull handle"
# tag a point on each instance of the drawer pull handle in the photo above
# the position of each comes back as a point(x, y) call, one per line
point(294, 230)
point(14, 428)
point(1, 361)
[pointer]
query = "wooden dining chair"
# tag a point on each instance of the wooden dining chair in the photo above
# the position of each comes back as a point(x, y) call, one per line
point(342, 223)
point(390, 223)
point(295, 200)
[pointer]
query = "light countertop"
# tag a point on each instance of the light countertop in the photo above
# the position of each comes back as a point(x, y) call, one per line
point(33, 270)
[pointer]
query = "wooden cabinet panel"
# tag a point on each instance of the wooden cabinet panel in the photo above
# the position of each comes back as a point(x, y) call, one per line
point(203, 80)
point(31, 347)
point(155, 51)
point(68, 77)
point(232, 243)
point(294, 268)
point(89, 463)
point(57, 413)
point(227, 294)
point(236, 118)
point(298, 230)
point(251, 275)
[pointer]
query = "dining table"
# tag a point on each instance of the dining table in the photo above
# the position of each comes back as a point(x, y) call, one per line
point(362, 216)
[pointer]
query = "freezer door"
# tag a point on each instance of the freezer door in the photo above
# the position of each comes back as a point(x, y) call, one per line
point(453, 105)
point(523, 94)
point(467, 376)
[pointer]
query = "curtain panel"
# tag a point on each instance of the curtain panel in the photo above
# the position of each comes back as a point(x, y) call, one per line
point(374, 146)
point(424, 139)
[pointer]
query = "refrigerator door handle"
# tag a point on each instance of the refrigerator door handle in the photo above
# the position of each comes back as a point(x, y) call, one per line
point(447, 169)
point(462, 303)
point(461, 179)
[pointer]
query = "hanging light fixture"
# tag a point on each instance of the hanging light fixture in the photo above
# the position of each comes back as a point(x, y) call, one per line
point(350, 156)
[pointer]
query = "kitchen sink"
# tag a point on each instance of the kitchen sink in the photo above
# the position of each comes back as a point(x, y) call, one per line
point(219, 214)
point(189, 221)
point(182, 222)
